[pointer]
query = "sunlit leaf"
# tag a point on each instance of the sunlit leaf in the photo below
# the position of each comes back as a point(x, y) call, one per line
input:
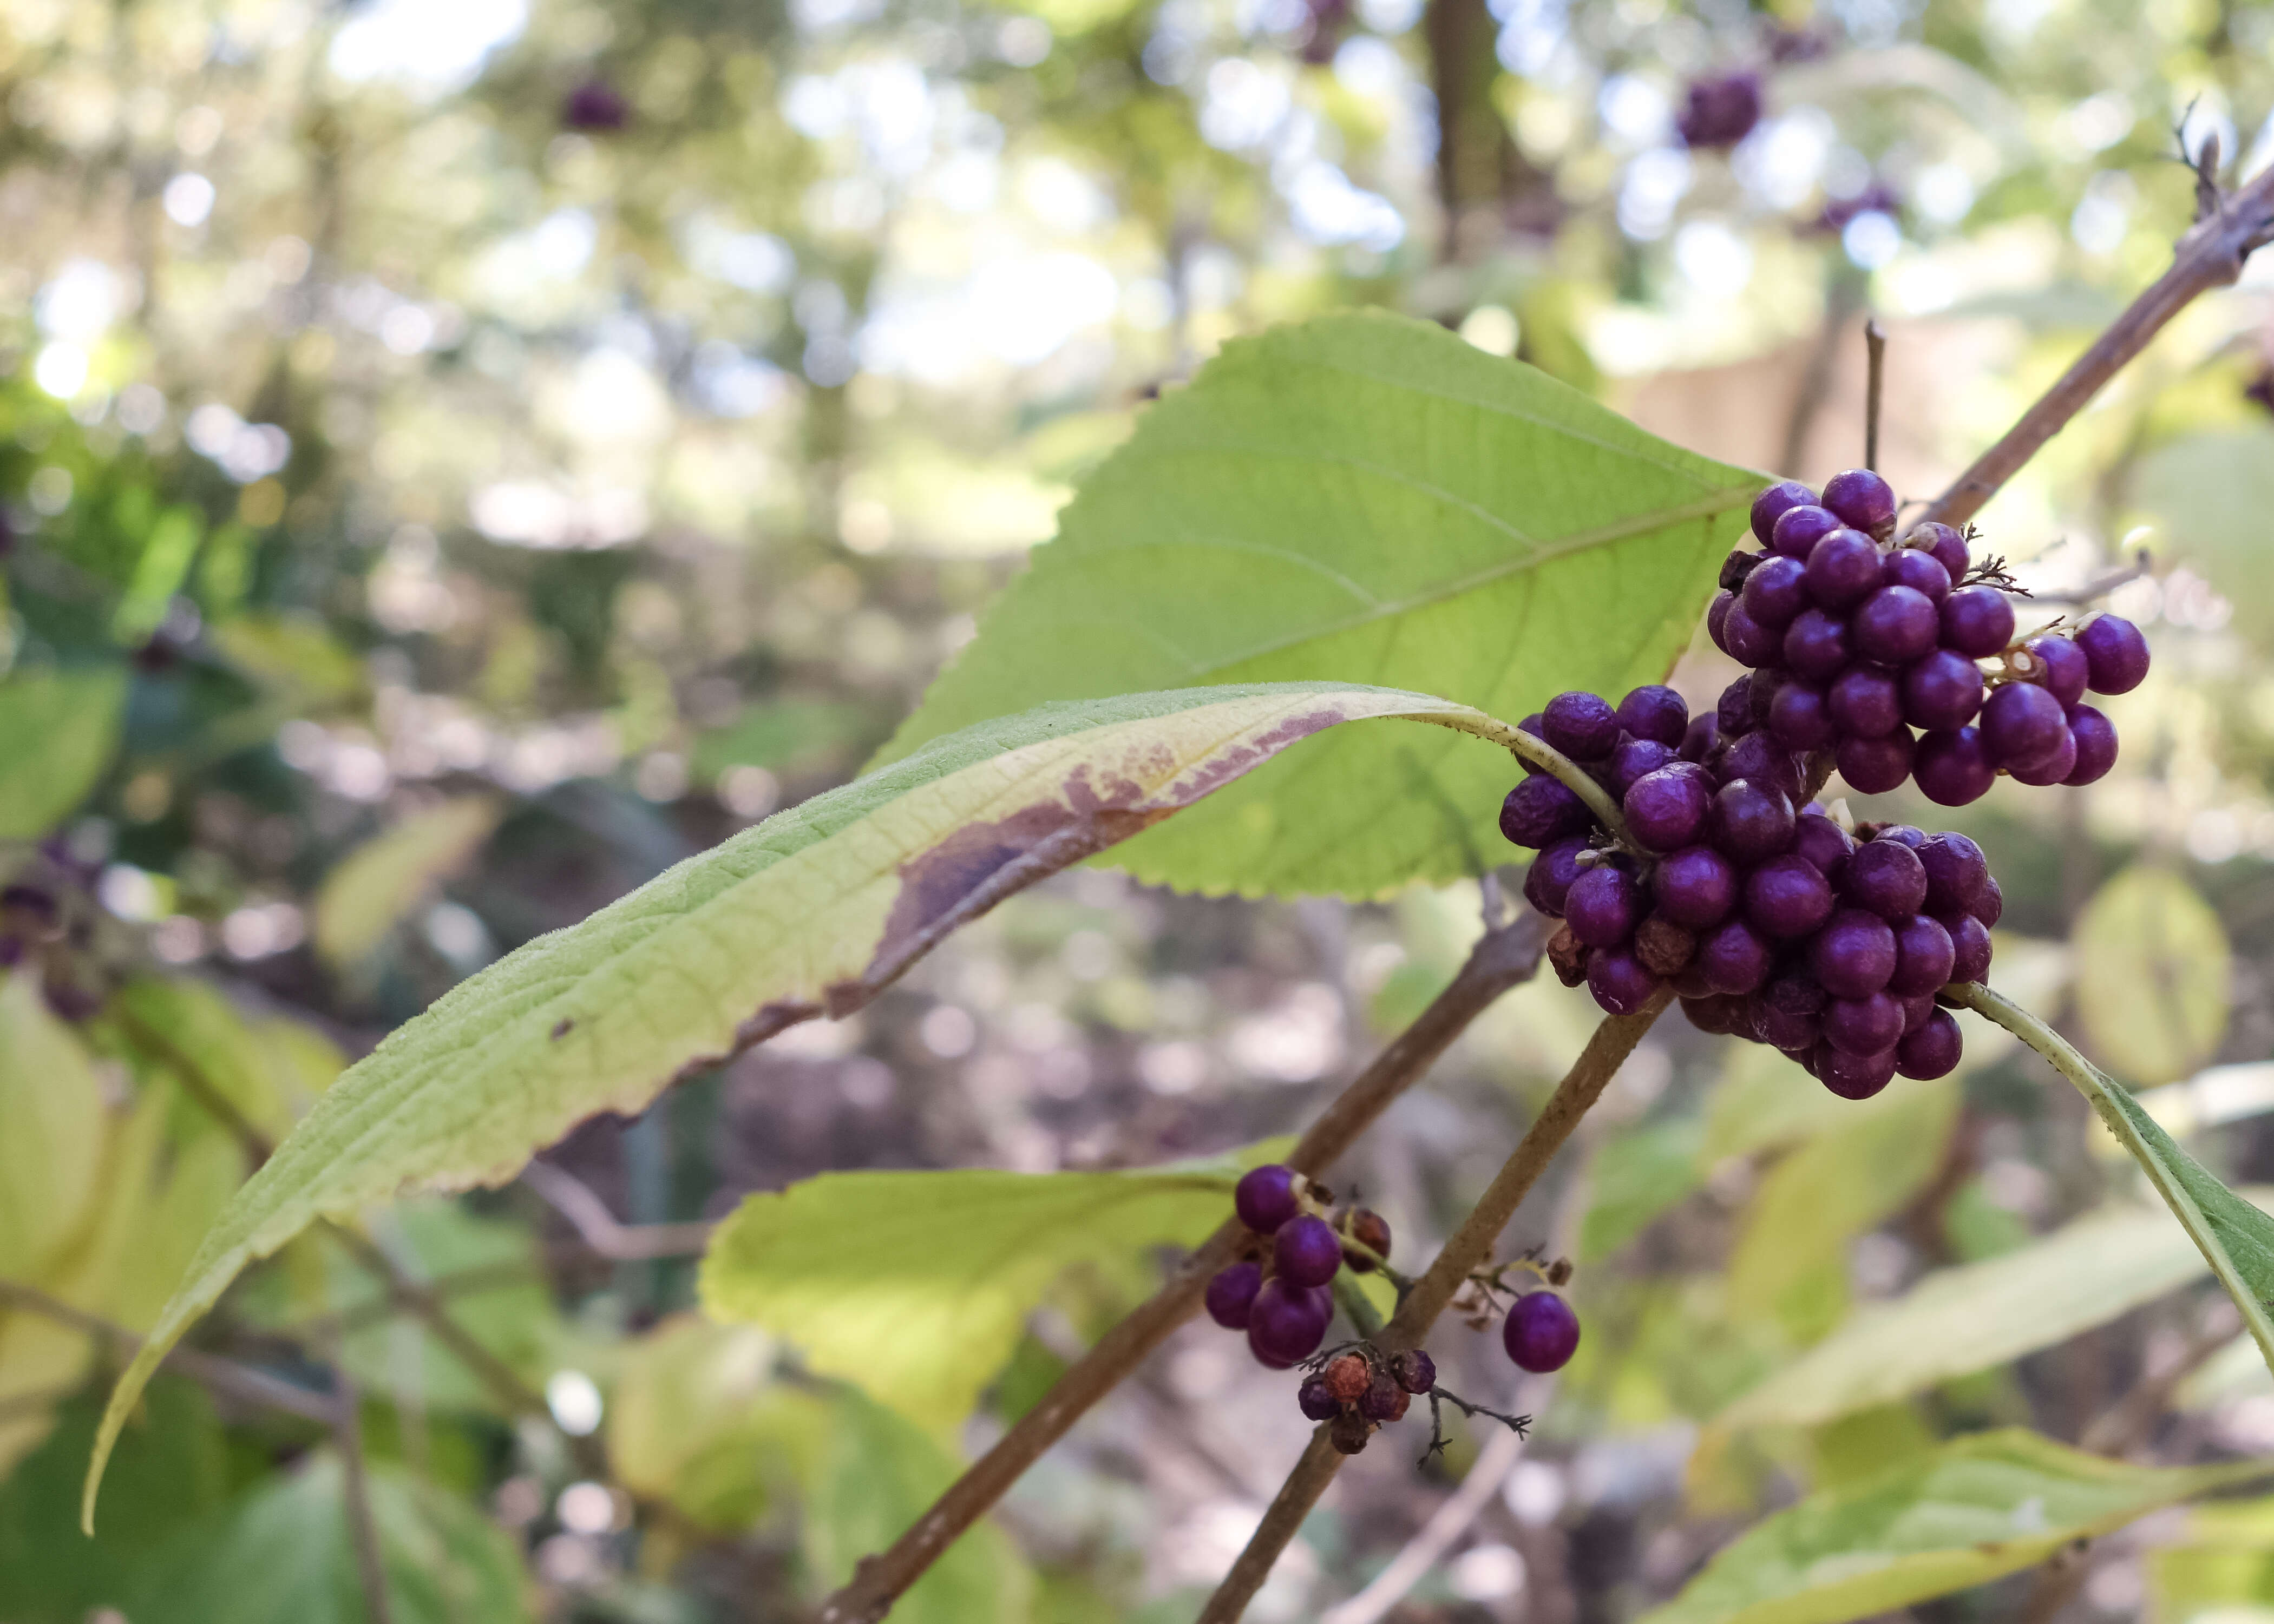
point(916, 1285)
point(2208, 494)
point(58, 730)
point(2219, 1567)
point(1367, 498)
point(51, 1142)
point(812, 911)
point(394, 874)
point(1971, 1510)
point(1635, 1177)
point(2151, 976)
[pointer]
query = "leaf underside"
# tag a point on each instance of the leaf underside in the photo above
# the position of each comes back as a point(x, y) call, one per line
point(811, 913)
point(1364, 498)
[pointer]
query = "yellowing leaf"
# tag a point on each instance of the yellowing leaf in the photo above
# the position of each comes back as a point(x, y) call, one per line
point(392, 874)
point(2151, 973)
point(696, 1419)
point(51, 1131)
point(1961, 1515)
point(58, 730)
point(812, 911)
point(916, 1285)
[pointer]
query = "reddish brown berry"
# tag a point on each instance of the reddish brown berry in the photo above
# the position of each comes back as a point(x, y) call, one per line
point(1347, 1376)
point(1371, 1230)
point(1384, 1401)
point(1567, 955)
point(1350, 1432)
point(1664, 947)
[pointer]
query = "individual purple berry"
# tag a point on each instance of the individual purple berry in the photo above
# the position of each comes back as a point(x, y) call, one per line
point(1713, 1014)
point(1636, 757)
point(1604, 906)
point(1549, 879)
point(1942, 689)
point(1414, 1371)
point(2115, 653)
point(1747, 641)
point(1717, 618)
point(1620, 982)
point(1317, 1402)
point(1696, 887)
point(1787, 897)
point(1824, 844)
point(1873, 766)
point(1799, 718)
point(1775, 592)
point(1583, 726)
point(1952, 767)
point(1916, 1008)
point(1946, 545)
point(2062, 668)
point(1902, 834)
point(1530, 724)
point(1971, 947)
point(1854, 955)
point(1306, 1251)
point(1798, 530)
point(1701, 738)
point(1720, 111)
point(1977, 621)
point(1773, 504)
point(1867, 702)
point(1789, 1030)
point(1887, 878)
point(1843, 571)
point(2095, 745)
point(1540, 811)
point(1864, 1026)
point(1750, 823)
point(1287, 1323)
point(1863, 501)
point(1932, 1049)
point(1763, 758)
point(1990, 906)
point(1955, 872)
point(1854, 1076)
point(1817, 647)
point(1665, 810)
point(1656, 712)
point(1231, 1293)
point(1541, 1333)
point(1733, 710)
point(1895, 626)
point(1733, 959)
point(1924, 957)
point(1917, 570)
point(1265, 1198)
point(2053, 769)
point(2022, 725)
point(1384, 1400)
point(595, 108)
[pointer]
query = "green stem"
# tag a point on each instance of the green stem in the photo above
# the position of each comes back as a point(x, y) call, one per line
point(1353, 1301)
point(1547, 758)
point(2137, 1132)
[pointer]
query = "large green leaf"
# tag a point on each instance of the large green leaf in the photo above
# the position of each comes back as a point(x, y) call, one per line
point(2235, 1238)
point(916, 1285)
point(281, 1553)
point(1970, 1318)
point(57, 731)
point(2151, 974)
point(1969, 1511)
point(812, 911)
point(1367, 498)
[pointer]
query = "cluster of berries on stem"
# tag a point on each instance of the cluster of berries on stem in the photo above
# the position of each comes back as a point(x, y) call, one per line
point(1282, 1296)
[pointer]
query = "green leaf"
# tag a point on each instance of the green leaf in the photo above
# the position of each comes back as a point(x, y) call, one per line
point(2151, 974)
point(58, 730)
point(379, 883)
point(1361, 497)
point(881, 1473)
point(2235, 1238)
point(788, 735)
point(2211, 491)
point(1815, 1200)
point(813, 911)
point(1961, 1515)
point(696, 1419)
point(1637, 1175)
point(2220, 1568)
point(1957, 1320)
point(916, 1285)
point(52, 1143)
point(280, 1554)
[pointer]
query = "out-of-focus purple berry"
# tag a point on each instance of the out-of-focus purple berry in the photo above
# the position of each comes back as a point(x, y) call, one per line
point(1746, 640)
point(2054, 769)
point(1306, 1251)
point(1287, 1324)
point(1720, 111)
point(1990, 906)
point(595, 108)
point(1824, 844)
point(1265, 1198)
point(2095, 745)
point(1231, 1294)
point(1701, 738)
point(1799, 718)
point(1317, 1402)
point(1541, 1333)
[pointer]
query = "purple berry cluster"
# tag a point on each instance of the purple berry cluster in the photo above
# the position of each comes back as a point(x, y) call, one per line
point(1871, 650)
point(1769, 923)
point(1282, 1297)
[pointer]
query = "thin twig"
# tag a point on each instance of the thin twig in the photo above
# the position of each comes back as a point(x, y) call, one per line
point(2210, 255)
point(223, 1376)
point(1502, 958)
point(355, 1489)
point(1875, 350)
point(1471, 1243)
point(600, 1229)
point(2093, 592)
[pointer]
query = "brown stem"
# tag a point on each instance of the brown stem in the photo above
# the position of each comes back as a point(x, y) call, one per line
point(1471, 1245)
point(2210, 255)
point(1875, 350)
point(226, 1377)
point(355, 1491)
point(1503, 957)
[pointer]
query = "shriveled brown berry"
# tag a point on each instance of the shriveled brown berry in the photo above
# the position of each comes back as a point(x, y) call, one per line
point(1371, 1230)
point(1559, 1273)
point(1414, 1371)
point(1664, 947)
point(1350, 1432)
point(1385, 1399)
point(1347, 1376)
point(1738, 566)
point(1566, 956)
